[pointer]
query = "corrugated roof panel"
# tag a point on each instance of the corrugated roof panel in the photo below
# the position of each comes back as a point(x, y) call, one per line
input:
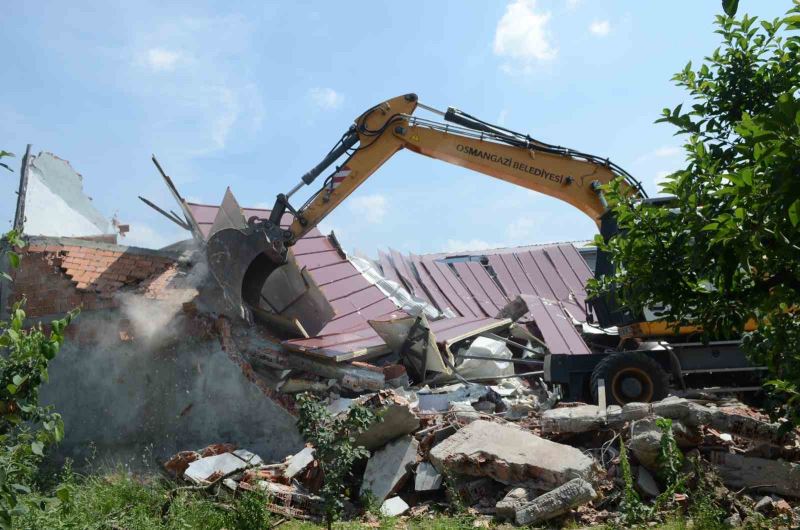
point(488, 284)
point(434, 293)
point(475, 289)
point(458, 286)
point(444, 286)
point(556, 327)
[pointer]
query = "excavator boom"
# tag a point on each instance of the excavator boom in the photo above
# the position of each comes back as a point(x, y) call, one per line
point(242, 260)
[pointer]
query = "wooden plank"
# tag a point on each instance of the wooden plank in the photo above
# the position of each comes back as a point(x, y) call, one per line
point(478, 293)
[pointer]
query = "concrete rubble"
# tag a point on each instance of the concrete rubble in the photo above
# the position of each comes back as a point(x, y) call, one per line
point(509, 455)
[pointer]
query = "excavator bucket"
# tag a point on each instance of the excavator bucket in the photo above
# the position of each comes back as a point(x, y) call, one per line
point(240, 260)
point(260, 280)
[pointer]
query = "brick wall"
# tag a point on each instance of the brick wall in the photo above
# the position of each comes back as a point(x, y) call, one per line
point(56, 277)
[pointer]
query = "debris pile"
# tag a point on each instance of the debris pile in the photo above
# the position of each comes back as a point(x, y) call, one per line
point(553, 462)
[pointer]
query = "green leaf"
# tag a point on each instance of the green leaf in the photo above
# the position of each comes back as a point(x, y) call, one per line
point(710, 226)
point(12, 389)
point(37, 448)
point(794, 212)
point(730, 7)
point(13, 258)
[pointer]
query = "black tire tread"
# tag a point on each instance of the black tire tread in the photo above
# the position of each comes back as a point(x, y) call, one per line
point(614, 361)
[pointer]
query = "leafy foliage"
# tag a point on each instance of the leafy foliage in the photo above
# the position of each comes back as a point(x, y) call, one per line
point(4, 154)
point(333, 438)
point(670, 458)
point(26, 427)
point(633, 509)
point(726, 253)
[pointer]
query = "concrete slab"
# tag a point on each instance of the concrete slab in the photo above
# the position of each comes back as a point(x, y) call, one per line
point(299, 462)
point(396, 420)
point(394, 507)
point(427, 478)
point(556, 502)
point(214, 467)
point(509, 455)
point(388, 467)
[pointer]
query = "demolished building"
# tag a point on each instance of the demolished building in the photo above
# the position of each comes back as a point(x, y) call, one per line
point(450, 349)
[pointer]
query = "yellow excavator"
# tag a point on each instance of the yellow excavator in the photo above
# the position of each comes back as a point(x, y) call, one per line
point(244, 259)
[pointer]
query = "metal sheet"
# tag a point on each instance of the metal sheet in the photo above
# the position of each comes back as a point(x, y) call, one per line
point(403, 268)
point(475, 288)
point(351, 344)
point(556, 327)
point(503, 276)
point(387, 266)
point(458, 286)
point(434, 293)
point(488, 284)
point(444, 286)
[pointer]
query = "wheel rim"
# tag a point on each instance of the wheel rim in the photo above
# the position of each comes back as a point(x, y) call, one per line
point(632, 384)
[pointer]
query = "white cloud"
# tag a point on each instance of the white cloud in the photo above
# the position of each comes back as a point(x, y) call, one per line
point(371, 207)
point(457, 245)
point(521, 229)
point(661, 178)
point(501, 119)
point(161, 60)
point(210, 85)
point(601, 28)
point(522, 35)
point(667, 151)
point(326, 98)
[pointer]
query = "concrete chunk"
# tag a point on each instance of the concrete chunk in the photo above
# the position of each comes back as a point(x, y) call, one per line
point(582, 418)
point(646, 484)
point(509, 455)
point(299, 462)
point(427, 478)
point(394, 507)
point(396, 420)
point(760, 474)
point(388, 467)
point(556, 502)
point(212, 468)
point(506, 508)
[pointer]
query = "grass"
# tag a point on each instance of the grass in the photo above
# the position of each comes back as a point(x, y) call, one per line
point(122, 501)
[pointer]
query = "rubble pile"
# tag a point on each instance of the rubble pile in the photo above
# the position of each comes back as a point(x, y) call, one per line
point(554, 462)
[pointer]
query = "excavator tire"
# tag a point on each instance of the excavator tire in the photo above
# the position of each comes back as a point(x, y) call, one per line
point(629, 377)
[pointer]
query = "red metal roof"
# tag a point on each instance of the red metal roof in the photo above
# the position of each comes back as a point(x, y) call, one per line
point(475, 288)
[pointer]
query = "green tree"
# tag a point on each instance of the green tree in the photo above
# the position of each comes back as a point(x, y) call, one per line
point(26, 427)
point(728, 251)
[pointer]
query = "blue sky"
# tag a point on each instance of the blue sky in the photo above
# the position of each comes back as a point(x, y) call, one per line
point(252, 94)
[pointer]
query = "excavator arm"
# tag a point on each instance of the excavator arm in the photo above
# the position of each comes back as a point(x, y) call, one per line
point(387, 128)
point(243, 259)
